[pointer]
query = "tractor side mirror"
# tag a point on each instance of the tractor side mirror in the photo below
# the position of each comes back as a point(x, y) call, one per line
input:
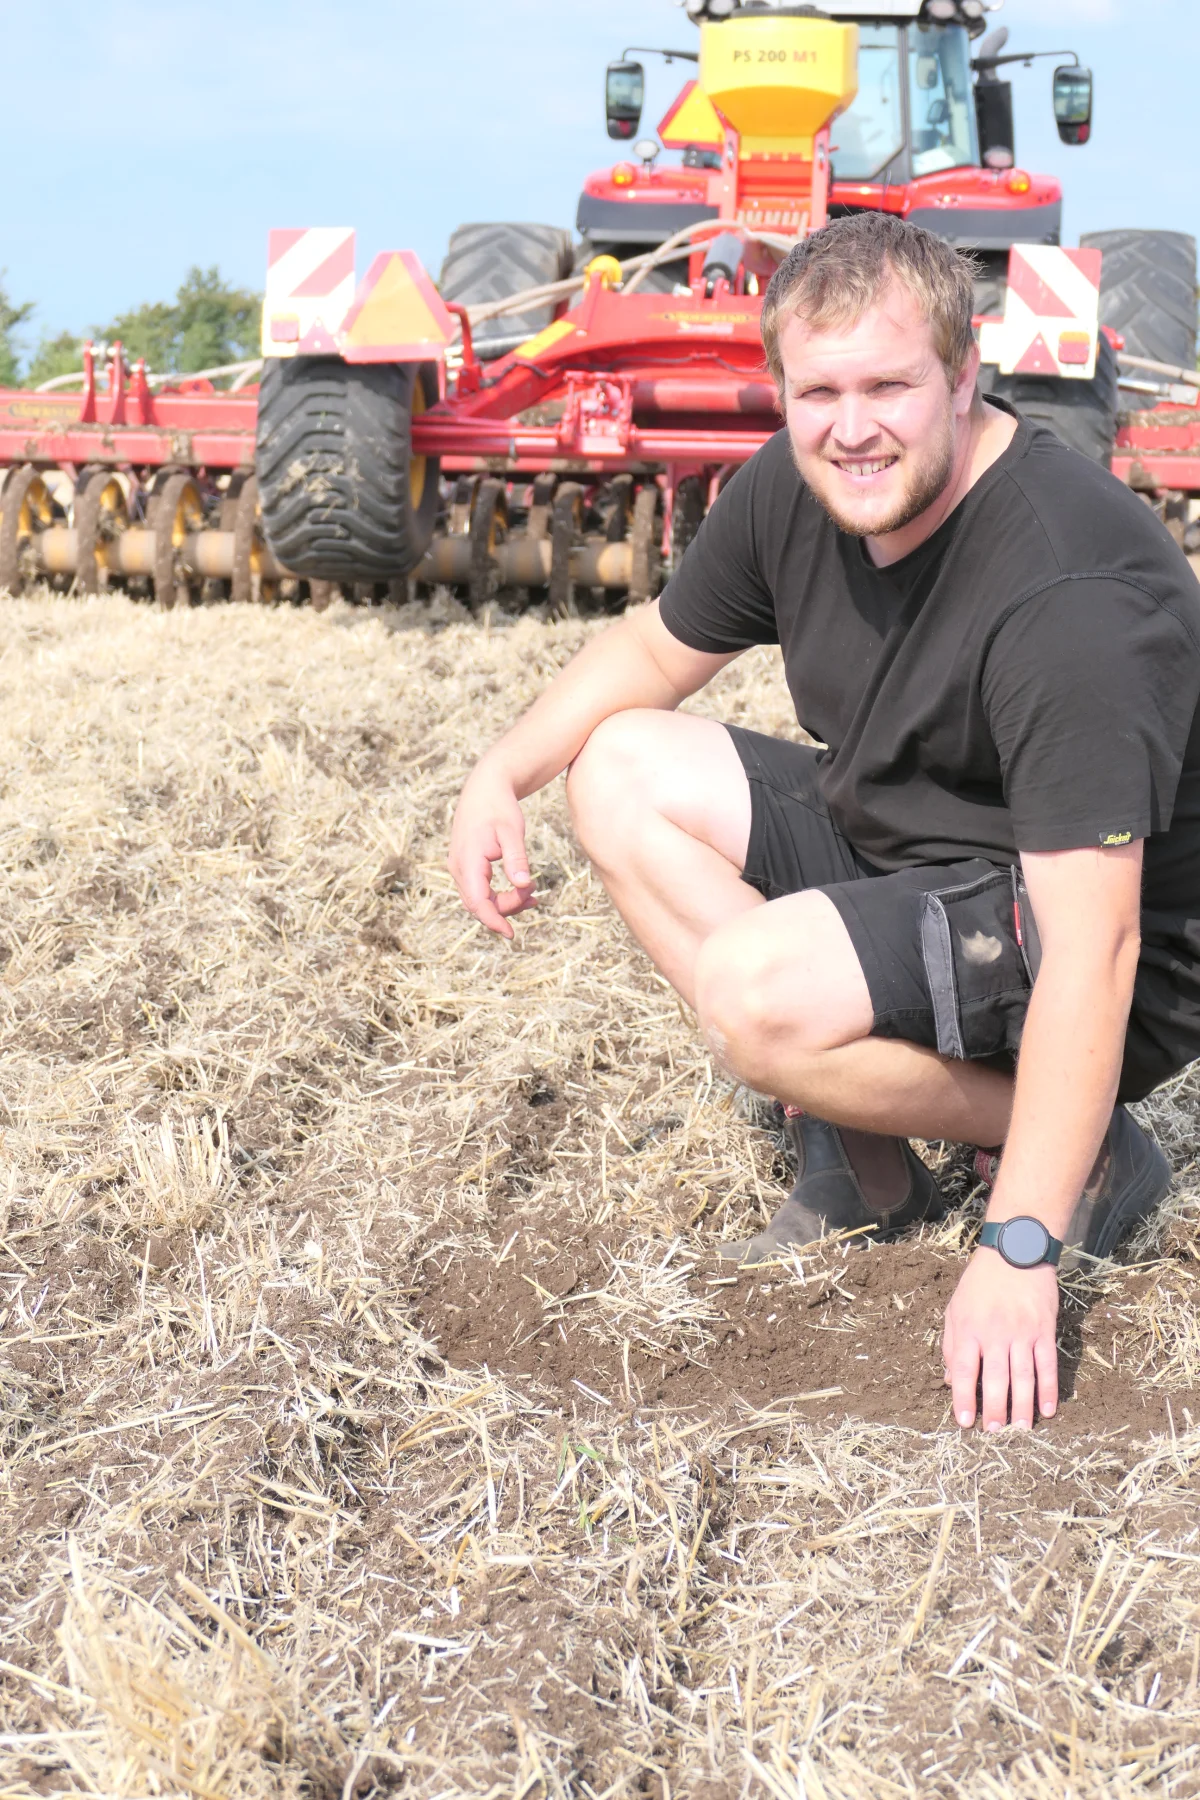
point(624, 93)
point(1073, 104)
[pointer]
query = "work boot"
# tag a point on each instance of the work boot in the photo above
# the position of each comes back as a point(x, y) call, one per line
point(845, 1180)
point(1129, 1177)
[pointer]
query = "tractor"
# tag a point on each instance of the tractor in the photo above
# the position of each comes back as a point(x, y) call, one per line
point(930, 136)
point(550, 421)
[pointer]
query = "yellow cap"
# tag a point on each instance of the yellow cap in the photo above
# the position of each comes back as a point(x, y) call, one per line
point(604, 269)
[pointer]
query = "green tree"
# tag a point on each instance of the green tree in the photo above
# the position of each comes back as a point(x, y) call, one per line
point(147, 331)
point(11, 318)
point(60, 355)
point(208, 323)
point(217, 323)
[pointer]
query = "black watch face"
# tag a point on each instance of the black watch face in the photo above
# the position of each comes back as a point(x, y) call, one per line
point(1023, 1242)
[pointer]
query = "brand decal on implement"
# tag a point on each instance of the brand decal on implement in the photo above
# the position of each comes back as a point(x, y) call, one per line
point(51, 408)
point(705, 318)
point(712, 324)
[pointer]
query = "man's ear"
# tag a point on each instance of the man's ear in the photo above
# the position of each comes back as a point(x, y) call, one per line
point(963, 395)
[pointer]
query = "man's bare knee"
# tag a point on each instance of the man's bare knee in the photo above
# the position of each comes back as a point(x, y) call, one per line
point(762, 995)
point(608, 777)
point(643, 765)
point(736, 1000)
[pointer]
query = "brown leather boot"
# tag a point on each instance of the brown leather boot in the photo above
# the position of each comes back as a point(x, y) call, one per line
point(845, 1180)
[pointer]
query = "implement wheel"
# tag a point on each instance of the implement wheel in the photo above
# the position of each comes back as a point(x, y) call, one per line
point(176, 511)
point(687, 515)
point(343, 497)
point(646, 540)
point(1148, 292)
point(247, 583)
point(100, 514)
point(489, 529)
point(566, 530)
point(25, 509)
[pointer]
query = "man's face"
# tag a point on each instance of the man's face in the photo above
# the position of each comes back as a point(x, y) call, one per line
point(871, 414)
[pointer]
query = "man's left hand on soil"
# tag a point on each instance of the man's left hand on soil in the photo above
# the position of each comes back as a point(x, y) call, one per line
point(1001, 1322)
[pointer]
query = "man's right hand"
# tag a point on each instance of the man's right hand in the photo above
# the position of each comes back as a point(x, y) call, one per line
point(489, 828)
point(635, 663)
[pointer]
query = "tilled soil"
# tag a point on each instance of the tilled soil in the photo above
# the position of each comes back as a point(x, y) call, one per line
point(375, 1413)
point(854, 1335)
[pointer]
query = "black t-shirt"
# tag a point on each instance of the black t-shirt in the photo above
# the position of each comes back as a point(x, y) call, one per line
point(1027, 679)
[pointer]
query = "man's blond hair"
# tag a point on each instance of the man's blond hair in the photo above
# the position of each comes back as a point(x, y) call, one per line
point(832, 278)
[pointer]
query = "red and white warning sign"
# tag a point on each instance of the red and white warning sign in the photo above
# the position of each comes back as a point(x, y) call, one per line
point(1051, 323)
point(310, 287)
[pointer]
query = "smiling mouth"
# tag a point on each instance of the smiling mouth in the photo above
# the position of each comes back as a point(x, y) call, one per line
point(862, 468)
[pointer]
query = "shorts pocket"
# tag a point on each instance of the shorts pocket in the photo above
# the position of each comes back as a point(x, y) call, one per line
point(980, 950)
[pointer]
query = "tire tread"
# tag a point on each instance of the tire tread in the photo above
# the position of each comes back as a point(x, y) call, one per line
point(333, 451)
point(1082, 413)
point(1148, 291)
point(491, 261)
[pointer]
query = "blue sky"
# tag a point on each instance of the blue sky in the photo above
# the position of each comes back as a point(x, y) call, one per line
point(154, 135)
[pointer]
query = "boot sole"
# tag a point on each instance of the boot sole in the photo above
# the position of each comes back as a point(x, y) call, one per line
point(736, 1253)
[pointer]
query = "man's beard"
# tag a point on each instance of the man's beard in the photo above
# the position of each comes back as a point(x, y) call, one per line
point(927, 481)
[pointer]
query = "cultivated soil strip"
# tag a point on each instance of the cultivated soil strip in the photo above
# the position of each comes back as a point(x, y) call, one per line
point(376, 1413)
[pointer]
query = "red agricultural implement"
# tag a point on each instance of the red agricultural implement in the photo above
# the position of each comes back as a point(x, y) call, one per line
point(552, 420)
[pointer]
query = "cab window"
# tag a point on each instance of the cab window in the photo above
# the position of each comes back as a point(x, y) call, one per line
point(870, 132)
point(940, 98)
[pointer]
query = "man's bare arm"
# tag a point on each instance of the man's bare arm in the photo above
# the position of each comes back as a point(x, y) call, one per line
point(1087, 904)
point(637, 663)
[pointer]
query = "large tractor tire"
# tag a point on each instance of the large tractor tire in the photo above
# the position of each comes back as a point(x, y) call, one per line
point(1148, 292)
point(991, 285)
point(493, 262)
point(1082, 413)
point(343, 497)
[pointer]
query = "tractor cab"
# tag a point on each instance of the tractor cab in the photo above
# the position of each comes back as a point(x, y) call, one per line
point(927, 132)
point(913, 113)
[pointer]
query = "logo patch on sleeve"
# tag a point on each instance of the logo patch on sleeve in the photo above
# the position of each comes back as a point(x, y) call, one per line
point(1113, 840)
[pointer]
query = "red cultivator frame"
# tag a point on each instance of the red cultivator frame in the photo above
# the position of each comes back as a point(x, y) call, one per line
point(655, 398)
point(637, 397)
point(389, 444)
point(153, 490)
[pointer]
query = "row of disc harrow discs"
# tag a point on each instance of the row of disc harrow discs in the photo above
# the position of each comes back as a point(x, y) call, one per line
point(180, 542)
point(105, 528)
point(555, 551)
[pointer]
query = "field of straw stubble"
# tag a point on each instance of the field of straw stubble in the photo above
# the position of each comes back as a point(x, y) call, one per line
point(375, 1414)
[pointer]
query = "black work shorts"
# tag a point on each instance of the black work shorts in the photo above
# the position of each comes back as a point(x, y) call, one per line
point(949, 952)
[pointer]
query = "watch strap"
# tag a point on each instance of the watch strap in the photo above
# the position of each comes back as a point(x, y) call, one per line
point(989, 1238)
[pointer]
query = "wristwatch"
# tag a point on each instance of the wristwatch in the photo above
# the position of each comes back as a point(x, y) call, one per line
point(1022, 1242)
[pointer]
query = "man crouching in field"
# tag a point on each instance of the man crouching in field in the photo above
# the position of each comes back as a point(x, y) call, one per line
point(1000, 847)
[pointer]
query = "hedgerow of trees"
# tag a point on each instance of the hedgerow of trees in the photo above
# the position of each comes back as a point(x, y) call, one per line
point(208, 323)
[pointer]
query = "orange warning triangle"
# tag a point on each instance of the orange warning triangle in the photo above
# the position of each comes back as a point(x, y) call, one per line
point(691, 118)
point(397, 304)
point(1037, 360)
